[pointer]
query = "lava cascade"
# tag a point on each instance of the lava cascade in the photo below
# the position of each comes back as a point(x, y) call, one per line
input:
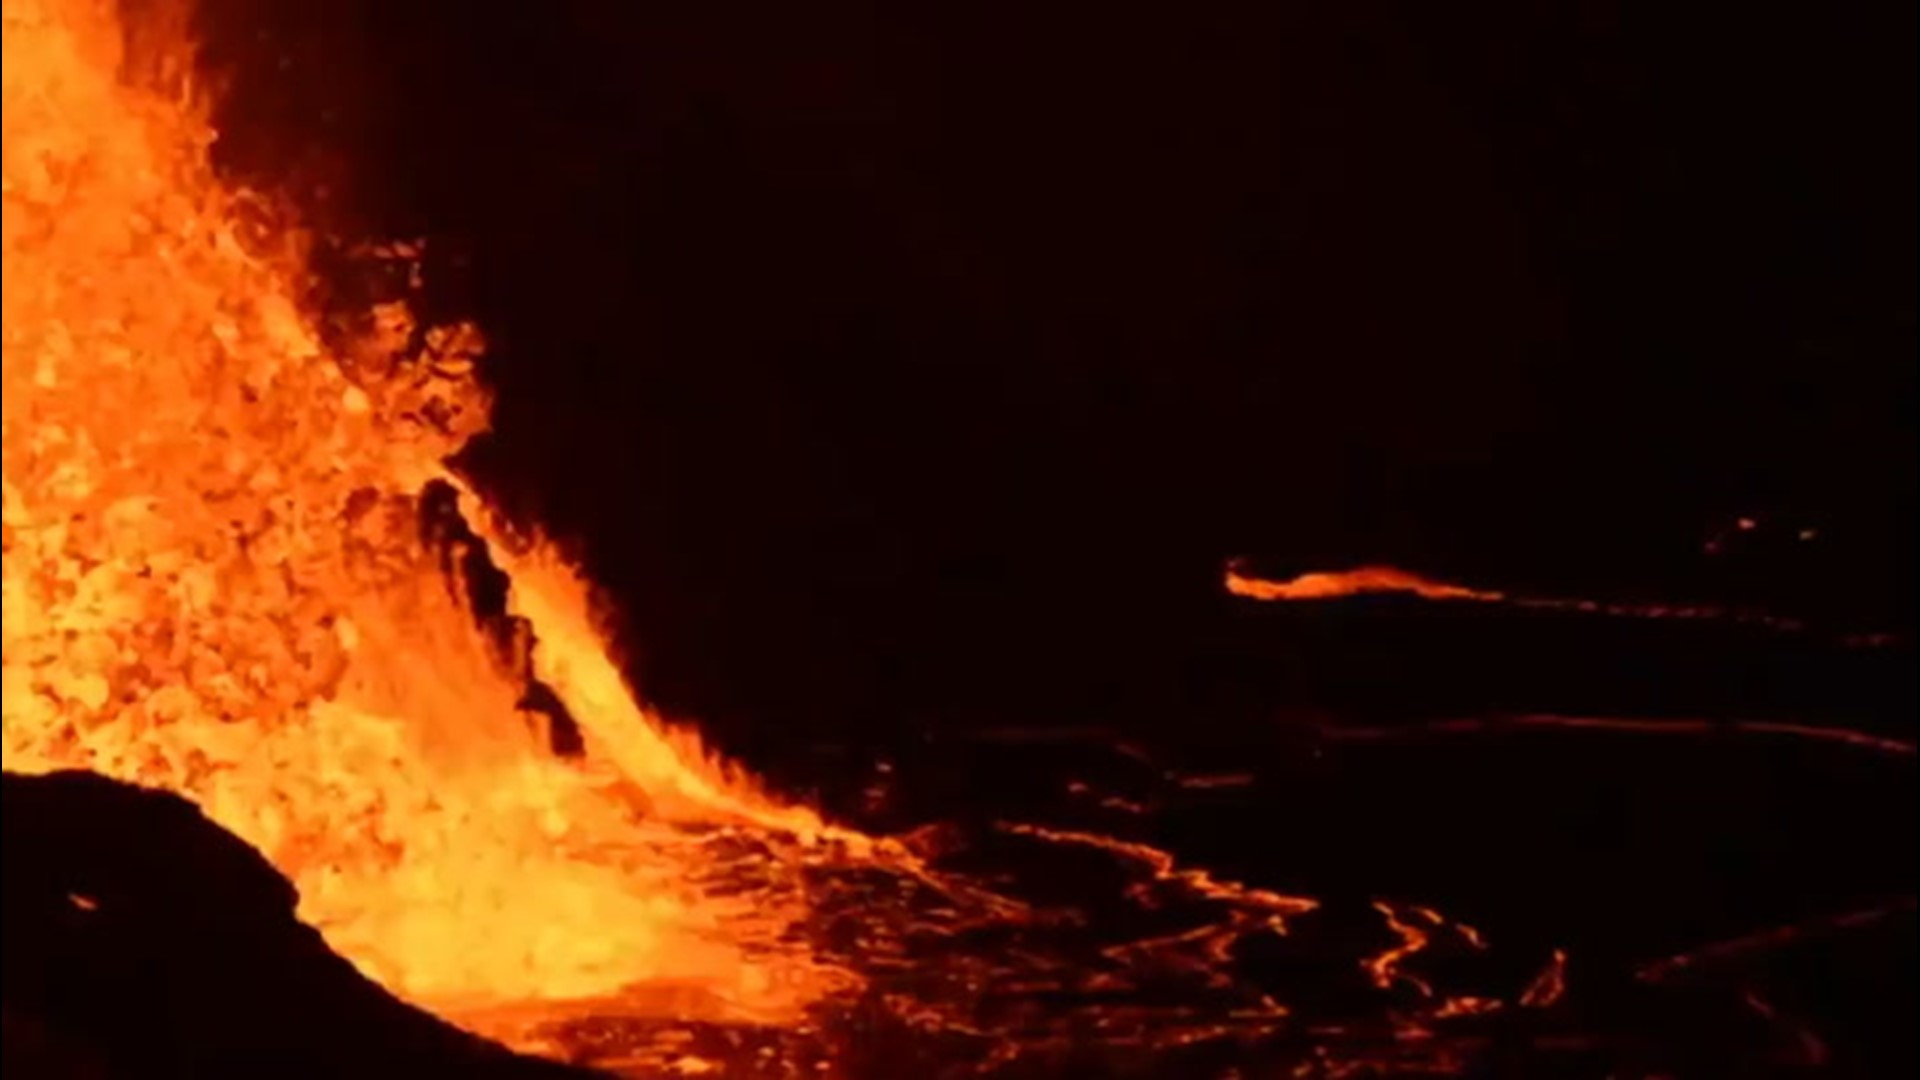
point(216, 583)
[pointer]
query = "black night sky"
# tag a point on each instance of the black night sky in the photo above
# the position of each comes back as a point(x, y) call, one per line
point(896, 360)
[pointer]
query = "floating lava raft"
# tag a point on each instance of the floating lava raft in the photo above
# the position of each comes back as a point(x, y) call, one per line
point(217, 583)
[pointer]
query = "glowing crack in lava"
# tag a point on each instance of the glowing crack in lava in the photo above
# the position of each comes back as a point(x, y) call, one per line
point(215, 583)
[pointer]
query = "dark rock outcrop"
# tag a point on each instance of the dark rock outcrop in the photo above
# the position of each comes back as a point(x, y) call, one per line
point(142, 940)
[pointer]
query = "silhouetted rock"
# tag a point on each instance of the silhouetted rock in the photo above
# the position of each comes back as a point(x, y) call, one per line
point(142, 940)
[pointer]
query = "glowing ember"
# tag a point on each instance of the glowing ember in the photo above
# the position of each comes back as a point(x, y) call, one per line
point(216, 584)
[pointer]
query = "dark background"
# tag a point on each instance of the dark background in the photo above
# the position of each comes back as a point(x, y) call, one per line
point(891, 361)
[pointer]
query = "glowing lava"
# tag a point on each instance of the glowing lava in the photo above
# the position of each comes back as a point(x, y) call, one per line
point(1385, 580)
point(1330, 585)
point(216, 583)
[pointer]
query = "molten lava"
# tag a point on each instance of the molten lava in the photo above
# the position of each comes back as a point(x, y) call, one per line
point(1387, 580)
point(1330, 585)
point(216, 584)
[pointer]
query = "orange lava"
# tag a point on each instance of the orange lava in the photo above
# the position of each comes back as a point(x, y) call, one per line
point(215, 584)
point(1383, 580)
point(1549, 986)
point(1384, 968)
point(1162, 870)
point(1332, 585)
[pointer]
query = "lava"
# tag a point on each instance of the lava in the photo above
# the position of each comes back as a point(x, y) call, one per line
point(1387, 580)
point(216, 583)
point(1549, 986)
point(1385, 968)
point(1330, 585)
point(1670, 727)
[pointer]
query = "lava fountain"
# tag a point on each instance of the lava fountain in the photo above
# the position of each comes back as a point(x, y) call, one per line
point(227, 576)
point(216, 583)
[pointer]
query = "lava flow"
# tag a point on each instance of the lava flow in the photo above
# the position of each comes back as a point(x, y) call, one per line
point(216, 584)
point(1334, 584)
point(1388, 580)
